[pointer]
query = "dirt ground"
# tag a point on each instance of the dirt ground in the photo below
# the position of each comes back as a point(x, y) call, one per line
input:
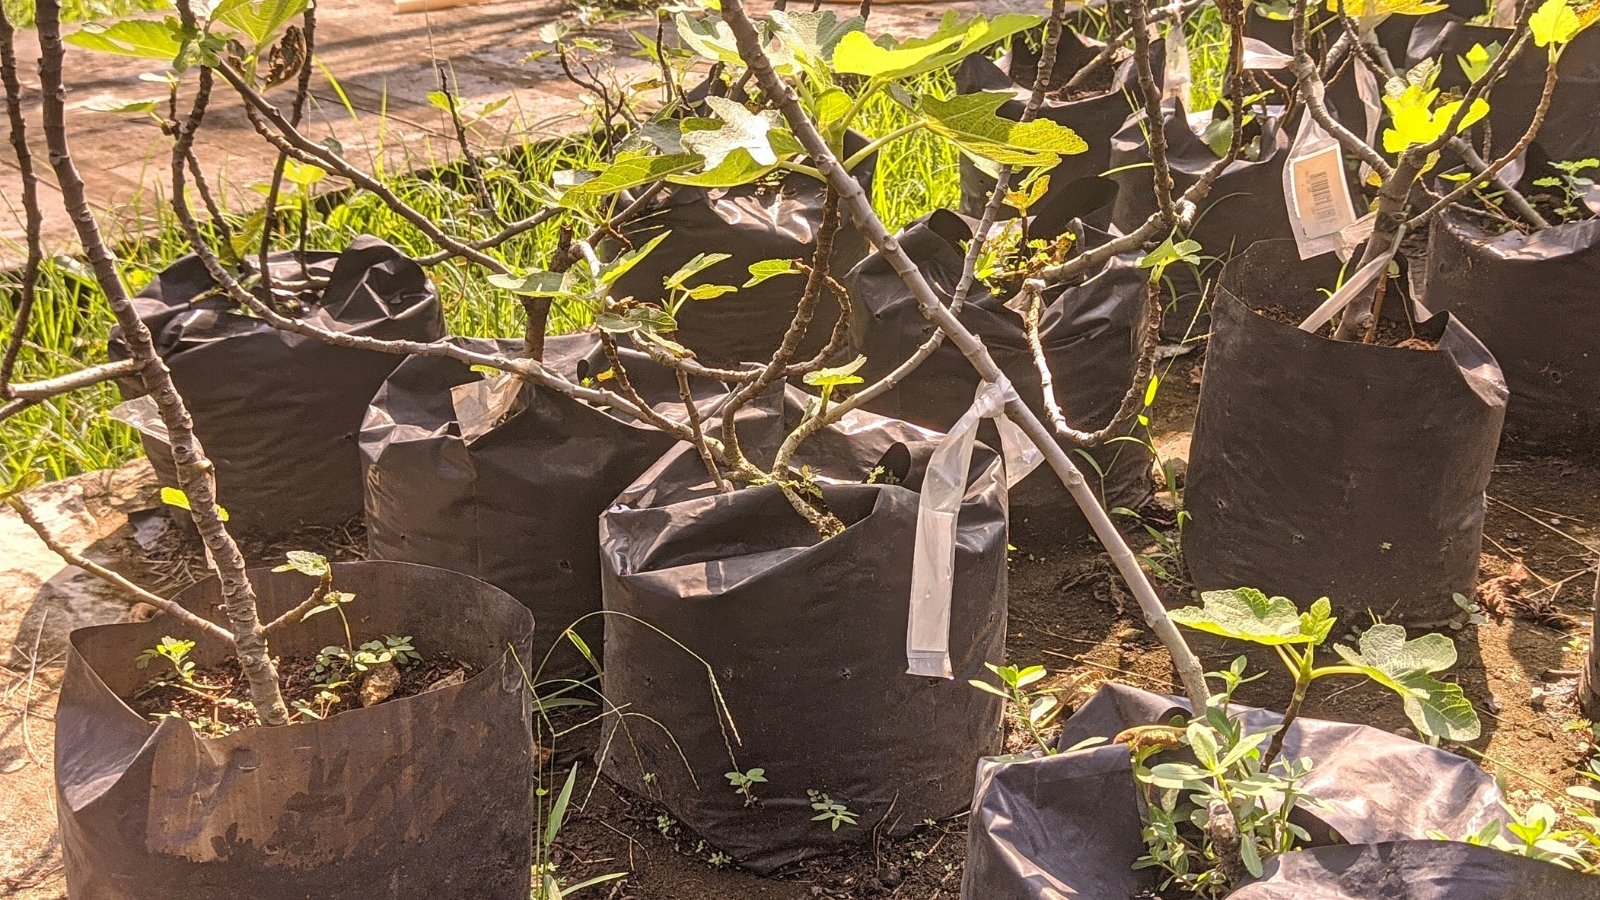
point(1068, 613)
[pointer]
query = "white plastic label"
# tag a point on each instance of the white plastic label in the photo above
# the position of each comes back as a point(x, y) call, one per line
point(1176, 77)
point(933, 561)
point(481, 405)
point(1261, 56)
point(1364, 277)
point(1315, 189)
point(142, 414)
point(1372, 107)
point(1354, 235)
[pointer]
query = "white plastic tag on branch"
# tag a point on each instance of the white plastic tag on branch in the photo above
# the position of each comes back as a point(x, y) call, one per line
point(933, 562)
point(1352, 236)
point(1315, 189)
point(1176, 78)
point(1261, 56)
point(481, 405)
point(142, 414)
point(1364, 278)
point(1371, 97)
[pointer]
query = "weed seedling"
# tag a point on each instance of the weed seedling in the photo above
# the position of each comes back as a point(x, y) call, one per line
point(835, 814)
point(745, 782)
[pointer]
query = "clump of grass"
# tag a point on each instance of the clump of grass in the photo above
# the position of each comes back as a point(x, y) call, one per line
point(20, 12)
point(918, 173)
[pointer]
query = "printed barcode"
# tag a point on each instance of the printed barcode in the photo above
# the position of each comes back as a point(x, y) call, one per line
point(1322, 208)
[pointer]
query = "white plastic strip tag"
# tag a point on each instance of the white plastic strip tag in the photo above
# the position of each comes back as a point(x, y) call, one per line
point(1261, 56)
point(1176, 77)
point(1316, 192)
point(142, 414)
point(481, 405)
point(1371, 97)
point(1364, 278)
point(933, 562)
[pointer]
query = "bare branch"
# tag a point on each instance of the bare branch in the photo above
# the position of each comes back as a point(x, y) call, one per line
point(1489, 172)
point(1132, 400)
point(1156, 131)
point(34, 217)
point(194, 470)
point(72, 381)
point(318, 594)
point(860, 207)
point(135, 593)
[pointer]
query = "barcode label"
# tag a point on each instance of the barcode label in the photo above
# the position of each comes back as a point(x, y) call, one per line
point(1321, 202)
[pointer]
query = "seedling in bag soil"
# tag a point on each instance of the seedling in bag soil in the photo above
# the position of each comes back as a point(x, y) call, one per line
point(1211, 823)
point(215, 699)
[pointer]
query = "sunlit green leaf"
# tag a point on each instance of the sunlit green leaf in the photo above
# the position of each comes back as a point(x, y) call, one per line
point(306, 563)
point(1436, 708)
point(630, 171)
point(143, 38)
point(770, 268)
point(1554, 23)
point(699, 263)
point(1245, 614)
point(260, 20)
point(845, 374)
point(970, 121)
point(741, 130)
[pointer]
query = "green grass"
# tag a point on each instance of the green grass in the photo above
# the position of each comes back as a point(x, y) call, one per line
point(915, 175)
point(20, 12)
point(72, 434)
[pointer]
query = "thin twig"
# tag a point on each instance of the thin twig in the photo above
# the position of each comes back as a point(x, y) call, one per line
point(27, 287)
point(135, 593)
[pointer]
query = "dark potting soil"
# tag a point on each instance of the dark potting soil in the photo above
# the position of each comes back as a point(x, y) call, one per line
point(1390, 332)
point(226, 708)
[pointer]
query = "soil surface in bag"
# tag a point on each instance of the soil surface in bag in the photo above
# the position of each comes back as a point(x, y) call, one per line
point(1329, 468)
point(278, 413)
point(1571, 131)
point(753, 222)
point(512, 494)
point(1534, 299)
point(1095, 110)
point(1245, 204)
point(1090, 334)
point(806, 640)
point(423, 797)
point(1068, 825)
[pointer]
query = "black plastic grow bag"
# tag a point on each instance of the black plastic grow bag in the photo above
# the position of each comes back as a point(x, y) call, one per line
point(424, 797)
point(1089, 331)
point(278, 413)
point(1414, 870)
point(1570, 131)
point(1535, 301)
point(806, 640)
point(1068, 825)
point(1245, 203)
point(1329, 468)
point(1095, 115)
point(511, 498)
point(753, 222)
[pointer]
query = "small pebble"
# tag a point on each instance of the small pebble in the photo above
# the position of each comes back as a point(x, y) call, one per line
point(891, 876)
